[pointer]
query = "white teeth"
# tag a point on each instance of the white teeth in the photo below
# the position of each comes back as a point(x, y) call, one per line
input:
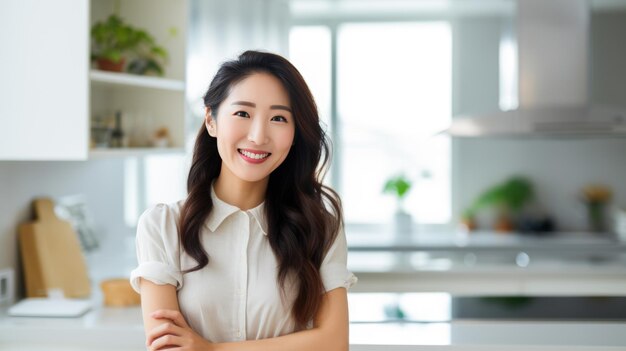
point(253, 155)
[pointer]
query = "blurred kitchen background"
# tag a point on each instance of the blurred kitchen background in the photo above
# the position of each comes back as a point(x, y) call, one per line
point(444, 221)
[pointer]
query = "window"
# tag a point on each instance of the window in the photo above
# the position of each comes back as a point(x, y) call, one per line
point(310, 52)
point(151, 180)
point(394, 93)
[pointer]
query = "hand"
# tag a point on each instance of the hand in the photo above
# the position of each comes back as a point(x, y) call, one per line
point(175, 334)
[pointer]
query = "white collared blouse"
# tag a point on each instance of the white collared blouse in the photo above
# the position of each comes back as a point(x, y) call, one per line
point(236, 296)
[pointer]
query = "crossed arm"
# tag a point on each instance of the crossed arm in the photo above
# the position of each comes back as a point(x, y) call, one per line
point(166, 328)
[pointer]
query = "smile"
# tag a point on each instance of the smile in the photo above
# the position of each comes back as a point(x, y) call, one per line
point(253, 156)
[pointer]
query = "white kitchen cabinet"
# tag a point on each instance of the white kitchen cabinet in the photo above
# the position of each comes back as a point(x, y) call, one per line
point(44, 86)
point(50, 92)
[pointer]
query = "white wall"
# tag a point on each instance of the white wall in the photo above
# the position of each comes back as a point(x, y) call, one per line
point(101, 183)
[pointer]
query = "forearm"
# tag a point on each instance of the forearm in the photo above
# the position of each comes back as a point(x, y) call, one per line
point(307, 340)
point(155, 297)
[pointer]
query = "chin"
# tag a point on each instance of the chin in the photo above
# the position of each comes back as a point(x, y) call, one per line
point(252, 178)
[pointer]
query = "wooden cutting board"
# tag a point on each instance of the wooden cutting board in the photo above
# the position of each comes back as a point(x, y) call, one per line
point(51, 255)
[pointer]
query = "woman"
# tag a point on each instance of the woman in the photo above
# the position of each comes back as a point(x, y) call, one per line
point(255, 257)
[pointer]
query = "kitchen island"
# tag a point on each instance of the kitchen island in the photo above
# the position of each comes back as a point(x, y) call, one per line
point(438, 269)
point(121, 329)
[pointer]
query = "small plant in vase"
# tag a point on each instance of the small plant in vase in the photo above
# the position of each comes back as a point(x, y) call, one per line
point(399, 186)
point(508, 199)
point(114, 42)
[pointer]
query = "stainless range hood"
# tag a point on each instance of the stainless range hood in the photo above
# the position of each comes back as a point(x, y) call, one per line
point(553, 47)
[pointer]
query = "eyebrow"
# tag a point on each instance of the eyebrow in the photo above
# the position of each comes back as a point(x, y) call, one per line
point(251, 104)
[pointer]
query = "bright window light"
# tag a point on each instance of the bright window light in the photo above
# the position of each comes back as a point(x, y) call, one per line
point(309, 51)
point(394, 95)
point(508, 74)
point(152, 180)
point(165, 179)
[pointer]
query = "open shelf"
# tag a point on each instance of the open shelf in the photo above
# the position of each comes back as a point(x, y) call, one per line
point(133, 152)
point(113, 78)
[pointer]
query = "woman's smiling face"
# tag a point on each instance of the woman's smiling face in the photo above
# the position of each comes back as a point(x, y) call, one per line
point(254, 128)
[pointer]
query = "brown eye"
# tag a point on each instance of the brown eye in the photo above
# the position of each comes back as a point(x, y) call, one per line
point(242, 114)
point(279, 119)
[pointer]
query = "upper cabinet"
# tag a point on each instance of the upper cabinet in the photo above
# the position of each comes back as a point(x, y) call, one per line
point(44, 82)
point(59, 104)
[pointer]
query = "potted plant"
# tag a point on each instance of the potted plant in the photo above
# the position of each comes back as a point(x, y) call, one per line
point(596, 197)
point(508, 198)
point(468, 219)
point(399, 186)
point(114, 42)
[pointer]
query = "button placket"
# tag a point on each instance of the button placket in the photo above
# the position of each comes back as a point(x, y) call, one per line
point(243, 279)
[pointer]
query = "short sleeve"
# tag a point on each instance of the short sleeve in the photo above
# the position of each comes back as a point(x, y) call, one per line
point(157, 249)
point(334, 269)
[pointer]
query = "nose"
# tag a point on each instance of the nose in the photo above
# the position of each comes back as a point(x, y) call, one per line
point(258, 131)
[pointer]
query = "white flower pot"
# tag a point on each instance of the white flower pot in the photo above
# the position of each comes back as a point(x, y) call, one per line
point(402, 223)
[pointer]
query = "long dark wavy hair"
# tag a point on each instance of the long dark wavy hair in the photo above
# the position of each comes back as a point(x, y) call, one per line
point(303, 216)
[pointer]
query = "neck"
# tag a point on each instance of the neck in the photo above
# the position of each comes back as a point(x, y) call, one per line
point(240, 193)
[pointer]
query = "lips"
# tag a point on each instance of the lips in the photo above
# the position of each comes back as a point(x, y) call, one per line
point(253, 156)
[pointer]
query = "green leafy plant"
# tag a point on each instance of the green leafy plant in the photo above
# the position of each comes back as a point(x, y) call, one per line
point(509, 197)
point(114, 40)
point(397, 185)
point(512, 194)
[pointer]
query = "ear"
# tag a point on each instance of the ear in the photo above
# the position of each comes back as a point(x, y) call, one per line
point(209, 122)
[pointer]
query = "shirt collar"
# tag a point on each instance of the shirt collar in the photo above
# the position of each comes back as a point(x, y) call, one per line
point(222, 210)
point(259, 215)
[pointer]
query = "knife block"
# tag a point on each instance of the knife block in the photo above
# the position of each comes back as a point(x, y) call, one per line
point(51, 255)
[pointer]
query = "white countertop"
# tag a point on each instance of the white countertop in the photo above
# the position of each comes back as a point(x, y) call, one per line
point(487, 263)
point(121, 329)
point(376, 239)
